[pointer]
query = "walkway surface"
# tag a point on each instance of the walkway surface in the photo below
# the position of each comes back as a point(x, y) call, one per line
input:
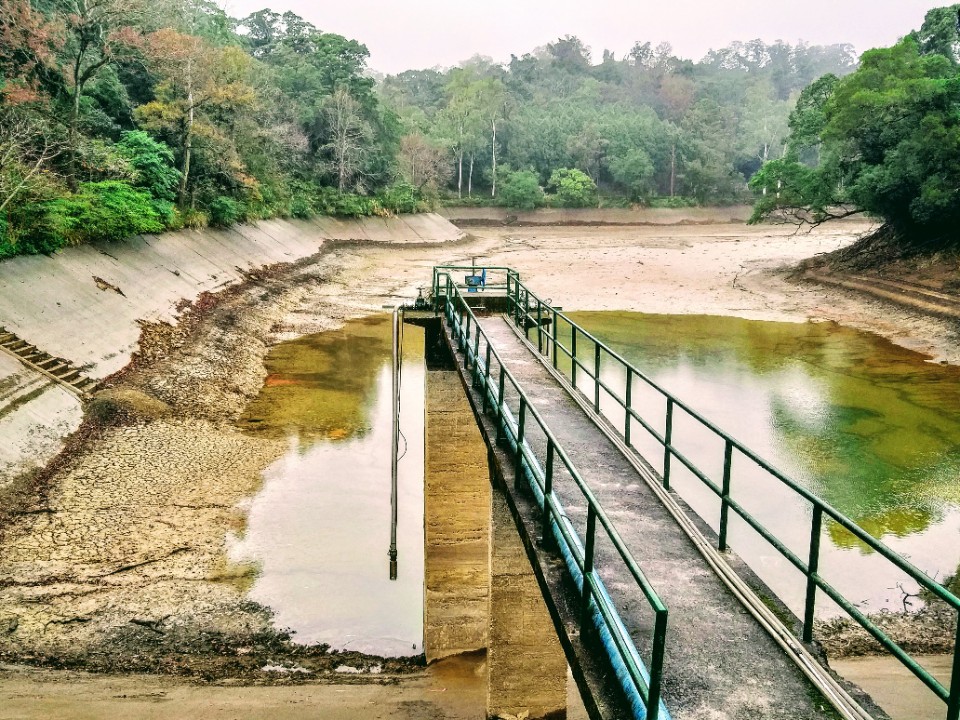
point(720, 664)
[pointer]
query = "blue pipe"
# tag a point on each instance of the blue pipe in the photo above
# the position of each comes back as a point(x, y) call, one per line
point(635, 700)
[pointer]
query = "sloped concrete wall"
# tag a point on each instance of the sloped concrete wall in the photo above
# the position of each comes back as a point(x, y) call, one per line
point(84, 305)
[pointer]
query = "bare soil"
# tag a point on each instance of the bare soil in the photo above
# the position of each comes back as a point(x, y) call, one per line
point(115, 561)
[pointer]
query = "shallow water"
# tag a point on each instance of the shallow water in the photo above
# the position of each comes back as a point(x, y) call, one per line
point(871, 427)
point(319, 530)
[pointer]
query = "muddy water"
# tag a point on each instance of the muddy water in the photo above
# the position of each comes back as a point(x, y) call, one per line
point(871, 427)
point(319, 531)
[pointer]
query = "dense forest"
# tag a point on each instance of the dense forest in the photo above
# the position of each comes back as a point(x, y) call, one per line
point(126, 116)
point(884, 141)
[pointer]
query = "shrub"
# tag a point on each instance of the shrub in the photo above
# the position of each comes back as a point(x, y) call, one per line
point(521, 190)
point(401, 198)
point(225, 211)
point(110, 210)
point(574, 188)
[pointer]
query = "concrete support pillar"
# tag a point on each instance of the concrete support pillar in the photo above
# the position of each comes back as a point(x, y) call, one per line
point(526, 665)
point(457, 521)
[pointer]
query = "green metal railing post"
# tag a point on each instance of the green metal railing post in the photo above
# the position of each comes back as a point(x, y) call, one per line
point(588, 552)
point(486, 380)
point(667, 443)
point(627, 401)
point(725, 495)
point(554, 325)
point(596, 376)
point(521, 419)
point(953, 705)
point(526, 314)
point(573, 356)
point(476, 356)
point(503, 377)
point(546, 535)
point(813, 565)
point(539, 326)
point(656, 665)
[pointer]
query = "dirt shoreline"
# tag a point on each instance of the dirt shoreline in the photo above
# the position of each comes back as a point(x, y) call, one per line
point(117, 561)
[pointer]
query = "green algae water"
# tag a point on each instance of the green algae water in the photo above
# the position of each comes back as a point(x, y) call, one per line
point(871, 427)
point(319, 530)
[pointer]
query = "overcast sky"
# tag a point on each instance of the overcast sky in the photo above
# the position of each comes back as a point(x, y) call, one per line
point(414, 34)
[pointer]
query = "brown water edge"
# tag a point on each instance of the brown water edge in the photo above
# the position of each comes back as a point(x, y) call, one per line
point(894, 688)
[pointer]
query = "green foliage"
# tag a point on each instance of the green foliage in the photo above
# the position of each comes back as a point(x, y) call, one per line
point(521, 190)
point(109, 210)
point(573, 188)
point(401, 198)
point(152, 162)
point(225, 211)
point(634, 170)
point(887, 142)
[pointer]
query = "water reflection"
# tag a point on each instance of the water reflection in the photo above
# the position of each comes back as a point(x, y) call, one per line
point(871, 427)
point(319, 530)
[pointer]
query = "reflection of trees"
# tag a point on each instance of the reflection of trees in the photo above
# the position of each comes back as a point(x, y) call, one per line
point(896, 521)
point(322, 385)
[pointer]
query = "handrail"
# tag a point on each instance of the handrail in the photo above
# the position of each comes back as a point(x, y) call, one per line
point(642, 683)
point(528, 312)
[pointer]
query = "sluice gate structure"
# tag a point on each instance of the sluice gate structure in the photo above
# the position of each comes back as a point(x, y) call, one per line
point(656, 616)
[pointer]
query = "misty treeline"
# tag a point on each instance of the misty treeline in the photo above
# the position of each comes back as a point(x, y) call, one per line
point(883, 141)
point(648, 127)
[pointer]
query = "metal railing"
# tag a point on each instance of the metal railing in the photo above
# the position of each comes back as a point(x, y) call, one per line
point(531, 313)
point(516, 420)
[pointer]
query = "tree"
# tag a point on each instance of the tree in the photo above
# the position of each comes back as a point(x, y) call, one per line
point(634, 170)
point(347, 136)
point(26, 150)
point(98, 33)
point(890, 147)
point(422, 163)
point(196, 82)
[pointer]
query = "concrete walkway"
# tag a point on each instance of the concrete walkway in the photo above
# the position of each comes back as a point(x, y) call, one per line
point(720, 664)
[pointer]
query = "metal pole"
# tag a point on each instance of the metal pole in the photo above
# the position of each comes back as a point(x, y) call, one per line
point(395, 414)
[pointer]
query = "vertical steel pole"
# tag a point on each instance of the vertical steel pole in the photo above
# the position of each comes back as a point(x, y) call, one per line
point(813, 565)
point(395, 441)
point(486, 380)
point(953, 704)
point(656, 665)
point(628, 401)
point(539, 326)
point(725, 494)
point(500, 404)
point(547, 492)
point(573, 355)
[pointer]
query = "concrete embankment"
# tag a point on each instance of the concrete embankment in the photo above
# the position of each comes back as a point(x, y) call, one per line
point(85, 305)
